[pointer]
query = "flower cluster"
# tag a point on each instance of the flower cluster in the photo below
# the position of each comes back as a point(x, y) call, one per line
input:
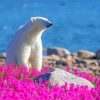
point(17, 83)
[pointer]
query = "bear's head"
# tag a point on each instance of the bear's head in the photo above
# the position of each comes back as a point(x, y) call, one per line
point(41, 23)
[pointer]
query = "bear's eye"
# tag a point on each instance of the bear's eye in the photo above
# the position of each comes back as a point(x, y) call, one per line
point(43, 20)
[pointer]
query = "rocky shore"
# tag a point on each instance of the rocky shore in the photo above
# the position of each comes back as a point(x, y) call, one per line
point(83, 60)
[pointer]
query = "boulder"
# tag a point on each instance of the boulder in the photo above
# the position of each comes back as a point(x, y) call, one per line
point(3, 55)
point(61, 62)
point(98, 54)
point(59, 76)
point(50, 60)
point(57, 51)
point(2, 58)
point(84, 54)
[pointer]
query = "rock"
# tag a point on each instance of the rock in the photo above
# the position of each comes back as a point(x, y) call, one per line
point(2, 58)
point(84, 61)
point(61, 62)
point(55, 57)
point(94, 63)
point(3, 55)
point(50, 60)
point(84, 54)
point(58, 51)
point(69, 58)
point(98, 54)
point(2, 62)
point(59, 76)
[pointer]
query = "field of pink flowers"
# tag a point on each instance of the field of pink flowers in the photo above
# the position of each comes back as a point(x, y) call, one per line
point(17, 83)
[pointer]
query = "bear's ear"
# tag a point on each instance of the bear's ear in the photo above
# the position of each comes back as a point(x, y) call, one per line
point(32, 19)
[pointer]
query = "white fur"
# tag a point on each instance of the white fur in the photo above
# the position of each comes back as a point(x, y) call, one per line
point(25, 49)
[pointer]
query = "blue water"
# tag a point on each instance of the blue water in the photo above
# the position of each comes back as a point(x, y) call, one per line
point(76, 23)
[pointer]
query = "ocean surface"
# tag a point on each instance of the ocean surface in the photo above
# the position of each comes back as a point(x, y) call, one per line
point(76, 23)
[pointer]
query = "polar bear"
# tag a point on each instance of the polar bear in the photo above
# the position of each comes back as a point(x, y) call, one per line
point(25, 48)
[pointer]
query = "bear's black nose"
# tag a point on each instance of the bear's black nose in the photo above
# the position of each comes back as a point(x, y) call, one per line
point(50, 24)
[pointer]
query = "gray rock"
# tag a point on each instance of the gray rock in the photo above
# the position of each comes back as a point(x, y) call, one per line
point(61, 62)
point(84, 54)
point(98, 54)
point(3, 55)
point(59, 76)
point(58, 51)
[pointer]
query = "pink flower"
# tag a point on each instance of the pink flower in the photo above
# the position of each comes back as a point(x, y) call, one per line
point(17, 83)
